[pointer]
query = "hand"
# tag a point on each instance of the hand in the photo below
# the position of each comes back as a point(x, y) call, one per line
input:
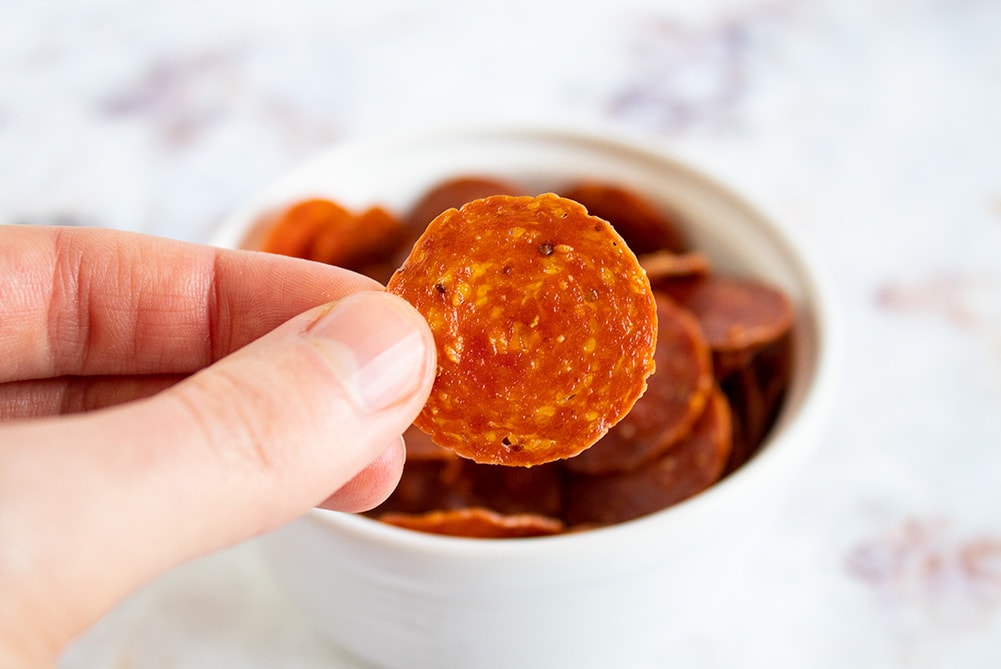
point(210, 396)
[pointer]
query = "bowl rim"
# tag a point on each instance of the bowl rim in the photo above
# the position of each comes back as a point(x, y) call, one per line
point(779, 446)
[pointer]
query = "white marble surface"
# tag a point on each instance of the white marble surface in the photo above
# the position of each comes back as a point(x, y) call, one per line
point(874, 127)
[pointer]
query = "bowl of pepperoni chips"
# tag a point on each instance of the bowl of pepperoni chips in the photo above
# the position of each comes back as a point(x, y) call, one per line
point(633, 361)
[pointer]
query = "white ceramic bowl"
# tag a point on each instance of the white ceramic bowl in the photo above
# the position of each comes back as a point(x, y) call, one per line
point(613, 597)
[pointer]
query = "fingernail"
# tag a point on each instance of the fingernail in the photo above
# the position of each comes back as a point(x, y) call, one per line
point(375, 344)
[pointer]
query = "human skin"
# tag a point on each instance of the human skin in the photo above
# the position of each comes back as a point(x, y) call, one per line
point(161, 400)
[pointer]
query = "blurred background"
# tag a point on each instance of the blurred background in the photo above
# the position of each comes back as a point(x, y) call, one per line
point(872, 128)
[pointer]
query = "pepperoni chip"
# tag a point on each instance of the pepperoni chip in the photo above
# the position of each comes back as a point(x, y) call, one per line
point(545, 326)
point(452, 194)
point(676, 396)
point(324, 231)
point(476, 523)
point(756, 393)
point(687, 469)
point(664, 265)
point(739, 316)
point(435, 478)
point(640, 223)
point(515, 490)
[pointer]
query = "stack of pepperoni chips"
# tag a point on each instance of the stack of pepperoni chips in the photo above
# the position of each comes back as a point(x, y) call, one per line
point(722, 362)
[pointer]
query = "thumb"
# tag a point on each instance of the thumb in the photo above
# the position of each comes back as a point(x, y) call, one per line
point(237, 449)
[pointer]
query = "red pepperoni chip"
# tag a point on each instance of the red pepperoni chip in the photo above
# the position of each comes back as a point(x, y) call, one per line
point(687, 469)
point(476, 523)
point(544, 322)
point(739, 316)
point(676, 396)
point(644, 227)
point(324, 231)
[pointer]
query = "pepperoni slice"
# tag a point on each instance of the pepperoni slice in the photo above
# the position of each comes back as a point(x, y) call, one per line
point(645, 228)
point(756, 393)
point(426, 485)
point(514, 490)
point(452, 194)
point(476, 523)
point(690, 467)
point(664, 265)
point(544, 322)
point(738, 316)
point(676, 396)
point(324, 231)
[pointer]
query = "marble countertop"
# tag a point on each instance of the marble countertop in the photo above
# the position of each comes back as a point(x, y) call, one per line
point(873, 127)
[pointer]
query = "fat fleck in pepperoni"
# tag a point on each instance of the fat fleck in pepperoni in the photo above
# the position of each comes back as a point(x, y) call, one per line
point(476, 523)
point(676, 396)
point(645, 228)
point(687, 469)
point(739, 316)
point(545, 326)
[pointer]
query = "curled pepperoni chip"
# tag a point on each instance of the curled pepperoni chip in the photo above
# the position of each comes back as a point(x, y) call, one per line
point(544, 322)
point(690, 467)
point(476, 523)
point(676, 396)
point(645, 228)
point(324, 231)
point(739, 316)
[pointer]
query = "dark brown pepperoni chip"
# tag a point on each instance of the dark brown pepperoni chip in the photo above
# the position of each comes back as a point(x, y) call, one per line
point(676, 396)
point(690, 467)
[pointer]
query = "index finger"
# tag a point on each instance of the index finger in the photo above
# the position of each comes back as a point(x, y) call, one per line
point(84, 301)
